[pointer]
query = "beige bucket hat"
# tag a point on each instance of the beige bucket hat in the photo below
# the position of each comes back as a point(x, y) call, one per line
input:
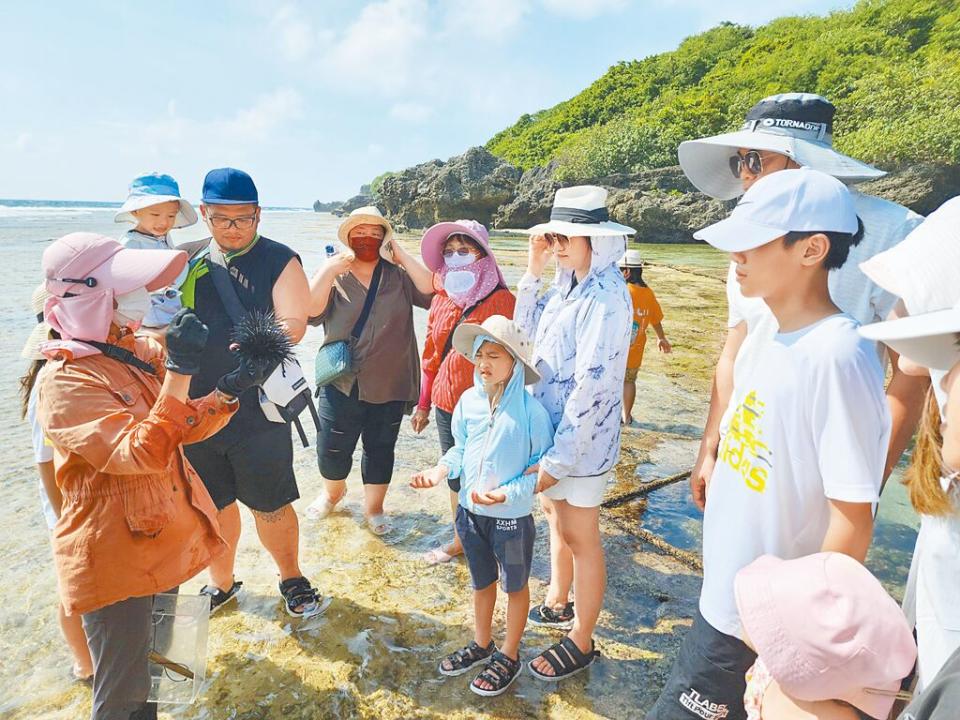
point(504, 332)
point(368, 215)
point(41, 331)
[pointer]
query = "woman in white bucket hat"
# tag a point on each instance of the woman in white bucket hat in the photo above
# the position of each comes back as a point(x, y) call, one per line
point(581, 330)
point(781, 132)
point(922, 271)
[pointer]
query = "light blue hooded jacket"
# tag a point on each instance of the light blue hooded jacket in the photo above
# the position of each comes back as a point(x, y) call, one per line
point(493, 451)
point(581, 339)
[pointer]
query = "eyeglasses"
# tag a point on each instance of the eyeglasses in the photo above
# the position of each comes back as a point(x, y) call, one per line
point(560, 240)
point(462, 252)
point(224, 223)
point(751, 160)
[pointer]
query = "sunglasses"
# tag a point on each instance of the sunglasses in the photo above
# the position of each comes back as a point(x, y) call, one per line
point(751, 160)
point(462, 252)
point(558, 239)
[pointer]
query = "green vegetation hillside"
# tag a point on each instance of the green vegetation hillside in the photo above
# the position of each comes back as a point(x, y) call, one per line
point(892, 68)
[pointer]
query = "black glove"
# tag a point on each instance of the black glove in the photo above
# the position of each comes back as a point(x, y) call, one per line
point(186, 340)
point(248, 373)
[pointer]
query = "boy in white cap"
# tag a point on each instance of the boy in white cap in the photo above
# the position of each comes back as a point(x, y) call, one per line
point(803, 459)
point(154, 205)
point(781, 132)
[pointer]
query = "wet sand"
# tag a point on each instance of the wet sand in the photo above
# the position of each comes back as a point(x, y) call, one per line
point(373, 654)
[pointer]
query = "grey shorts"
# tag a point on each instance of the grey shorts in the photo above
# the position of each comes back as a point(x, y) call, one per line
point(497, 548)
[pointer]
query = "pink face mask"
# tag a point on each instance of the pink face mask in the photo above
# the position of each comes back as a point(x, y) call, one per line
point(81, 317)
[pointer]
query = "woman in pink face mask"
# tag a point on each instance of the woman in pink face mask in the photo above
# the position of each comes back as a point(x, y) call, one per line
point(470, 288)
point(382, 386)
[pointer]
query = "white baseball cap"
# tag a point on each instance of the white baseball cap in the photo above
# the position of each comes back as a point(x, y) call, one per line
point(800, 200)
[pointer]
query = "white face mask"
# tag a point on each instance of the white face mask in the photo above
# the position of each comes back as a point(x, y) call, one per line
point(459, 282)
point(131, 308)
point(457, 260)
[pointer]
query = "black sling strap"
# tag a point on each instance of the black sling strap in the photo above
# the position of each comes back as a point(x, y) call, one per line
point(123, 355)
point(220, 274)
point(368, 301)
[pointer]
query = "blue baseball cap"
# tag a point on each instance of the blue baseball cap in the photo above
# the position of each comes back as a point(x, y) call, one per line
point(229, 186)
point(153, 189)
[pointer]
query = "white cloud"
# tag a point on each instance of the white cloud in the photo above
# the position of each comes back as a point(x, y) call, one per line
point(268, 113)
point(380, 50)
point(412, 112)
point(23, 142)
point(490, 20)
point(584, 9)
point(294, 33)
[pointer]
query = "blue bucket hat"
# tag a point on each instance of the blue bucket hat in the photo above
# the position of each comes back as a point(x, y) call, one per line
point(229, 186)
point(154, 189)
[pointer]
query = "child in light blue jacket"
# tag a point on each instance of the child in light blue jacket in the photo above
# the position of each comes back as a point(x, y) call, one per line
point(500, 431)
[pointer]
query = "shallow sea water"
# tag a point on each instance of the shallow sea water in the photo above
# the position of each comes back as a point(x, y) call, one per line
point(373, 654)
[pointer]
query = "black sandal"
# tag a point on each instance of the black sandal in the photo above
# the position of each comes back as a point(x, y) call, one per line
point(545, 616)
point(565, 658)
point(465, 658)
point(219, 598)
point(500, 672)
point(299, 593)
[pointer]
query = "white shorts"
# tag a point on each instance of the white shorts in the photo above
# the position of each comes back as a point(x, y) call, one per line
point(585, 492)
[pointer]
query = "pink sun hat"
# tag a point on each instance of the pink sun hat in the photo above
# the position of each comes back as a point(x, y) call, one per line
point(84, 272)
point(826, 629)
point(431, 246)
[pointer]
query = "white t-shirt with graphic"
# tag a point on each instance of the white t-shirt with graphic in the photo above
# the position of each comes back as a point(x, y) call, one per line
point(811, 423)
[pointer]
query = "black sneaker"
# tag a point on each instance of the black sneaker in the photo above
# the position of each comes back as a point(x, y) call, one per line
point(545, 616)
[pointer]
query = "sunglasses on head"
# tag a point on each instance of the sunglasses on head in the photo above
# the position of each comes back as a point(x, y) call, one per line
point(750, 160)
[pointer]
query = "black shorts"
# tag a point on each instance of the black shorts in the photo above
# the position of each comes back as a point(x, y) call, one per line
point(445, 432)
point(257, 470)
point(345, 419)
point(707, 680)
point(497, 547)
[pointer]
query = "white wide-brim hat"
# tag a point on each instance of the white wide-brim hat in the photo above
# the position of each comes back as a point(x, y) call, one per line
point(929, 339)
point(581, 211)
point(504, 332)
point(921, 270)
point(368, 215)
point(706, 162)
point(186, 215)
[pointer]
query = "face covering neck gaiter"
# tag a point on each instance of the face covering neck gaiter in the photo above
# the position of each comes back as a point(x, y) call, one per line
point(366, 249)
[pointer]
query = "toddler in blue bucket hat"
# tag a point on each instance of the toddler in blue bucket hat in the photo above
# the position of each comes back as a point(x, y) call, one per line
point(155, 206)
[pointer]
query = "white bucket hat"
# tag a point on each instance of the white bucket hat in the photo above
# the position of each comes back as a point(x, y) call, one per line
point(929, 339)
point(504, 332)
point(631, 259)
point(368, 215)
point(154, 189)
point(581, 211)
point(922, 269)
point(798, 125)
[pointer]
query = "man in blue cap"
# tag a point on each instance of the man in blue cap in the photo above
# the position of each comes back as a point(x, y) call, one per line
point(251, 459)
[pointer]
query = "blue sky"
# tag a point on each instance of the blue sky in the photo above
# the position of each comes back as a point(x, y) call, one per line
point(311, 98)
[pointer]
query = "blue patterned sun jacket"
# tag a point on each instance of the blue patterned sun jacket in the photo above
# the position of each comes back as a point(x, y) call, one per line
point(581, 339)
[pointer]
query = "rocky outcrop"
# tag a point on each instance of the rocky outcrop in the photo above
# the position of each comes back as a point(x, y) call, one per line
point(327, 206)
point(358, 201)
point(472, 185)
point(660, 204)
point(922, 188)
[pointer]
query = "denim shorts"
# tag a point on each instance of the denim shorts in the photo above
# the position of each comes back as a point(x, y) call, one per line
point(497, 548)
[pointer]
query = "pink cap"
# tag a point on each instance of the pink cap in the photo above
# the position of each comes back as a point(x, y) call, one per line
point(81, 263)
point(826, 629)
point(93, 269)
